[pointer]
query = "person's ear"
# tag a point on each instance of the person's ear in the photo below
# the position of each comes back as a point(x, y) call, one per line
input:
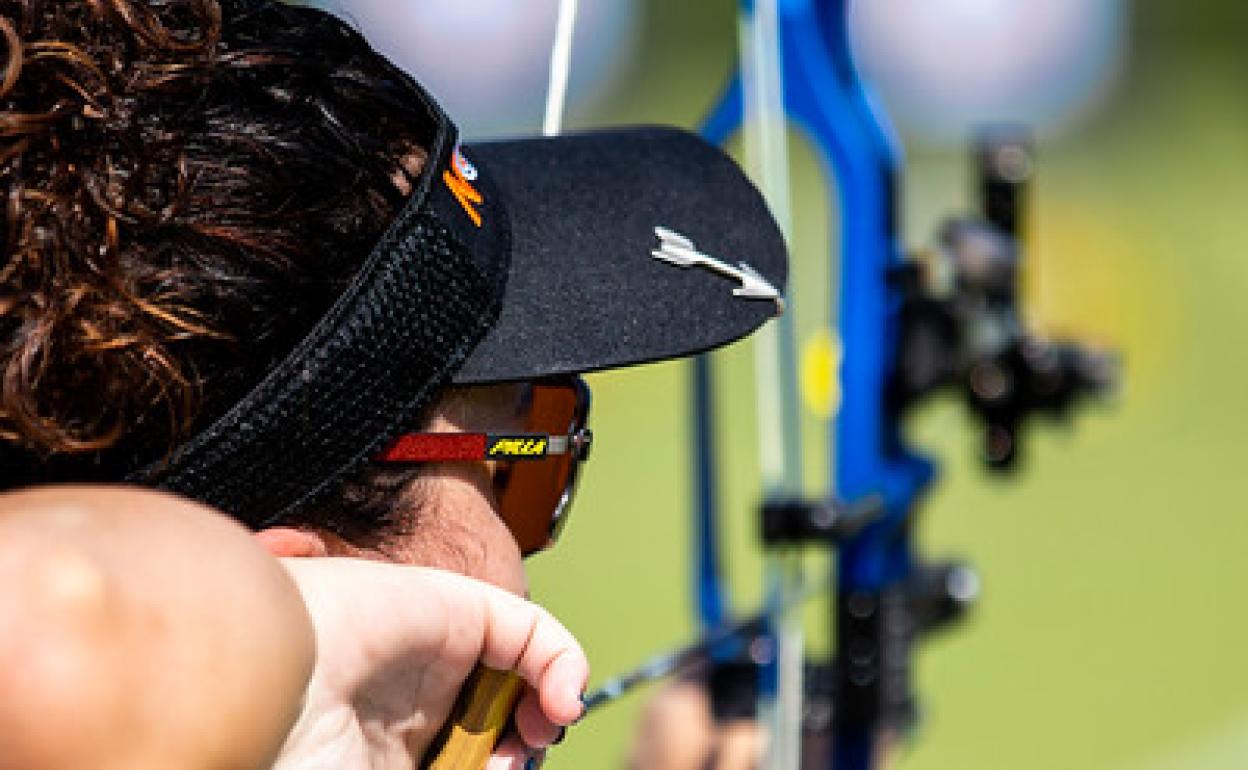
point(288, 541)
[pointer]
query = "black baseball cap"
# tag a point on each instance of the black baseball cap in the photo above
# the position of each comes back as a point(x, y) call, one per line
point(511, 260)
point(585, 215)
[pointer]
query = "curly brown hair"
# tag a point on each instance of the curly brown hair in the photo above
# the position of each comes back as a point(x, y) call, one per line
point(188, 183)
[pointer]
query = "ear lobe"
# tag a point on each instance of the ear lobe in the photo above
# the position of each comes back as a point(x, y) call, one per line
point(289, 542)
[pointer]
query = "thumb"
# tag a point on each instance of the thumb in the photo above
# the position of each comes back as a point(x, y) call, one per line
point(523, 637)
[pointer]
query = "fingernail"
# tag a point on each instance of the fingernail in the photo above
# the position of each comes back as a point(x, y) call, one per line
point(563, 733)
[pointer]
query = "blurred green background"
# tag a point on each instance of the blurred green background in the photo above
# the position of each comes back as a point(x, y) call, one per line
point(1112, 630)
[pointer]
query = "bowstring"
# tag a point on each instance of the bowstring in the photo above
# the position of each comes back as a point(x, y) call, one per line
point(780, 462)
point(560, 67)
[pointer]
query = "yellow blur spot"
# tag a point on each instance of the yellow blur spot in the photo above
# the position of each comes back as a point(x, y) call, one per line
point(1107, 279)
point(821, 359)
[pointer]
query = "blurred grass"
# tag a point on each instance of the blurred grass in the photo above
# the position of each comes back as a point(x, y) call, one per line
point(1112, 630)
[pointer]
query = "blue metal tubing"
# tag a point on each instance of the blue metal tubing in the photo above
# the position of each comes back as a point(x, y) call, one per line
point(871, 458)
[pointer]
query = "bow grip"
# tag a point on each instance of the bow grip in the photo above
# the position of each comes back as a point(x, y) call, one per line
point(481, 712)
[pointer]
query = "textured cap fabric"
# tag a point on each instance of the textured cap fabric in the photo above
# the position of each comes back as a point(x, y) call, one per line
point(418, 305)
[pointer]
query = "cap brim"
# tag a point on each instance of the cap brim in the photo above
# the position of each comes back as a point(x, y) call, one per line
point(584, 291)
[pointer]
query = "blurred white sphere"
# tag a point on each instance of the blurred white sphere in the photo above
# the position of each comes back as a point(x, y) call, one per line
point(945, 67)
point(487, 61)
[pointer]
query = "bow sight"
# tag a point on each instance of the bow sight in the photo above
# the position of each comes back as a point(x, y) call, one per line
point(961, 325)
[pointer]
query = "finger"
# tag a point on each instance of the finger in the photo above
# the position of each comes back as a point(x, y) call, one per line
point(676, 731)
point(509, 633)
point(523, 637)
point(555, 664)
point(511, 754)
point(535, 729)
point(741, 744)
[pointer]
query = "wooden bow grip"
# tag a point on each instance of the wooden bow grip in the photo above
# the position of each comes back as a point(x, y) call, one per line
point(481, 713)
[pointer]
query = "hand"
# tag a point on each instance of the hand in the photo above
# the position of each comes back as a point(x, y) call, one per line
point(394, 645)
point(678, 732)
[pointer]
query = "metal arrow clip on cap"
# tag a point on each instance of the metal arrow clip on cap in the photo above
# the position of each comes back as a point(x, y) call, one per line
point(676, 249)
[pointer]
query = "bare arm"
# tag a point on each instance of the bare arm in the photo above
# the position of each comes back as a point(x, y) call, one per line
point(140, 630)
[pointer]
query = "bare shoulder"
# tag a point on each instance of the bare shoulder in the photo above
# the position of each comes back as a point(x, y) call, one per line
point(157, 627)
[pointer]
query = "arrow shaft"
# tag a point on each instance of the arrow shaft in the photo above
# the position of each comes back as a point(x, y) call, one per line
point(739, 633)
point(694, 258)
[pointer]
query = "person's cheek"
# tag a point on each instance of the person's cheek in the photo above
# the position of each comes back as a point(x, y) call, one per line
point(455, 526)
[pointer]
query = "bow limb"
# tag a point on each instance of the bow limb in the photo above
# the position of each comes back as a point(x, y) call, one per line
point(797, 63)
point(874, 564)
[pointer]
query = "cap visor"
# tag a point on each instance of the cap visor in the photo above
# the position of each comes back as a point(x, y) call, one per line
point(584, 291)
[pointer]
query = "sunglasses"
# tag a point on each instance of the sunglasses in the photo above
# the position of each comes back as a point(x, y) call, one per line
point(536, 470)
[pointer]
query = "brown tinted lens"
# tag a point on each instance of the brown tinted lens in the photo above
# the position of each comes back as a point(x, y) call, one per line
point(533, 489)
